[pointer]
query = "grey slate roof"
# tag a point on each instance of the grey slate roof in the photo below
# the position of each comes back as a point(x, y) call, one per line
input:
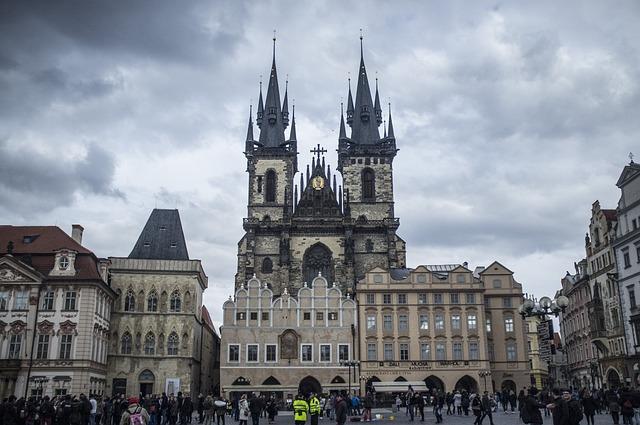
point(364, 130)
point(162, 238)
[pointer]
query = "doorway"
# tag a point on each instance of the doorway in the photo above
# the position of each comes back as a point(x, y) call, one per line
point(146, 388)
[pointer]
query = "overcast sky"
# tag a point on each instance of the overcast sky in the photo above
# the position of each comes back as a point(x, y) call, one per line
point(511, 118)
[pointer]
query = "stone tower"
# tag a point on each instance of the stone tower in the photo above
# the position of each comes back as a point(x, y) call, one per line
point(294, 232)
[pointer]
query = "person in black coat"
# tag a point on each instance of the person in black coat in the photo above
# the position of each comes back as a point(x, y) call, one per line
point(530, 408)
point(341, 410)
point(589, 406)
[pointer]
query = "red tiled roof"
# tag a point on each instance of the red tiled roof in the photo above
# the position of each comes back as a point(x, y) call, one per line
point(40, 252)
point(610, 215)
point(44, 239)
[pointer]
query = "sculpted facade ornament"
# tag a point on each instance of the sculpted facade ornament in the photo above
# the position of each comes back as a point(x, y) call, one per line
point(8, 275)
point(289, 344)
point(68, 328)
point(45, 328)
point(18, 327)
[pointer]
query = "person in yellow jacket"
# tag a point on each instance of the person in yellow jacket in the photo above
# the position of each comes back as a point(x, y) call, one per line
point(314, 408)
point(300, 409)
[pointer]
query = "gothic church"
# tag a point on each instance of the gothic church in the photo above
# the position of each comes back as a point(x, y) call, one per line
point(301, 223)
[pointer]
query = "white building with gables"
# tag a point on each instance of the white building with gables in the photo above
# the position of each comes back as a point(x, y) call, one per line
point(288, 344)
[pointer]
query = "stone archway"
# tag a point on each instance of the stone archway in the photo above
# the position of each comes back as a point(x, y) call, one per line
point(308, 385)
point(508, 385)
point(317, 259)
point(146, 379)
point(434, 383)
point(613, 378)
point(467, 383)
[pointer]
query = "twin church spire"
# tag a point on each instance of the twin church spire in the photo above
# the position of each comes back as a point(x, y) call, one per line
point(363, 116)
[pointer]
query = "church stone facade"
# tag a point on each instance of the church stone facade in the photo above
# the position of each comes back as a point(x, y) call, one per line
point(158, 326)
point(301, 222)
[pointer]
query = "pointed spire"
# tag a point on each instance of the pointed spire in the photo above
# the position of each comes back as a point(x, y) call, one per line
point(307, 174)
point(295, 199)
point(328, 172)
point(323, 164)
point(272, 132)
point(350, 106)
point(343, 131)
point(390, 130)
point(250, 127)
point(340, 196)
point(376, 108)
point(260, 107)
point(335, 186)
point(285, 104)
point(301, 183)
point(384, 126)
point(292, 133)
point(364, 128)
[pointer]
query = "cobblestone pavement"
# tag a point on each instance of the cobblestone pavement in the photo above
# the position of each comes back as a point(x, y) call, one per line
point(389, 418)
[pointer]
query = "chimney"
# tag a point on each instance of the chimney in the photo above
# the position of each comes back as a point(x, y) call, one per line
point(76, 233)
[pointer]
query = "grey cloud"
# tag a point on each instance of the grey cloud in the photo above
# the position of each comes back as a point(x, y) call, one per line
point(43, 181)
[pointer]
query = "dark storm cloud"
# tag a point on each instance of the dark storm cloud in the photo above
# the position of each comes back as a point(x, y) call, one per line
point(511, 119)
point(38, 182)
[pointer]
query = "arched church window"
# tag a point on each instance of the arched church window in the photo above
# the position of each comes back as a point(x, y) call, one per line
point(150, 344)
point(368, 185)
point(129, 301)
point(317, 259)
point(267, 265)
point(152, 302)
point(270, 196)
point(172, 344)
point(175, 303)
point(125, 343)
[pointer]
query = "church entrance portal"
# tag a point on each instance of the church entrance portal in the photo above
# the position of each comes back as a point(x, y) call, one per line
point(309, 385)
point(317, 259)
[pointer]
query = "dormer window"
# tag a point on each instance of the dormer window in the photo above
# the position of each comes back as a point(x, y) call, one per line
point(163, 227)
point(64, 262)
point(147, 244)
point(174, 244)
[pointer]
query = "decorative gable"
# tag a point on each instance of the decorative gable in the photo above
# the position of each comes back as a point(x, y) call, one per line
point(64, 263)
point(629, 173)
point(13, 270)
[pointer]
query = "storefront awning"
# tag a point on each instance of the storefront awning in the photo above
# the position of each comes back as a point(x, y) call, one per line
point(399, 387)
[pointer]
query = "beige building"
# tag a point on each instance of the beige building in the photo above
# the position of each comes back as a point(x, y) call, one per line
point(157, 338)
point(285, 344)
point(439, 326)
point(55, 305)
point(538, 366)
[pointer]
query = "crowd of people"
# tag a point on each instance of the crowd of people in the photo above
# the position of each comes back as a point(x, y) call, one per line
point(562, 407)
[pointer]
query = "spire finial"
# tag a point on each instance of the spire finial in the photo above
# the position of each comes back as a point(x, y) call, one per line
point(361, 49)
point(631, 157)
point(274, 44)
point(390, 127)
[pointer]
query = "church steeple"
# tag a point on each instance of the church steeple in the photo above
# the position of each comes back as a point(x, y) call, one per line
point(292, 134)
point(376, 108)
point(285, 105)
point(260, 107)
point(350, 106)
point(343, 131)
point(364, 129)
point(272, 129)
point(249, 141)
point(390, 134)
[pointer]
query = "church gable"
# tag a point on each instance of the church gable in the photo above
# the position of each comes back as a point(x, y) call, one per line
point(318, 199)
point(629, 173)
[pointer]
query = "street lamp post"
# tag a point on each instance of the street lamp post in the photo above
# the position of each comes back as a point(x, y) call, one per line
point(350, 364)
point(544, 307)
point(483, 374)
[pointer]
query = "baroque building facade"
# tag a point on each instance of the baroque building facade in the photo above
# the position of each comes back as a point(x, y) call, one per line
point(55, 305)
point(287, 343)
point(293, 231)
point(437, 326)
point(627, 252)
point(606, 326)
point(159, 334)
point(575, 327)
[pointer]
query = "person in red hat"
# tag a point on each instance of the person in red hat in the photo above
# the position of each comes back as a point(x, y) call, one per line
point(134, 414)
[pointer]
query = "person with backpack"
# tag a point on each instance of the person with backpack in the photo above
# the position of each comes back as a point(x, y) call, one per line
point(134, 414)
point(530, 409)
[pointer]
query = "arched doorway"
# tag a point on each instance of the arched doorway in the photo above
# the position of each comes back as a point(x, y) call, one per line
point(400, 379)
point(272, 382)
point(613, 378)
point(146, 380)
point(317, 259)
point(338, 380)
point(309, 385)
point(241, 380)
point(467, 383)
point(434, 383)
point(508, 385)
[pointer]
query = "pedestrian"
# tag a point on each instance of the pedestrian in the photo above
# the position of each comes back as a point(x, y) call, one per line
point(613, 404)
point(256, 404)
point(200, 409)
point(300, 409)
point(476, 408)
point(530, 408)
point(134, 414)
point(419, 403)
point(93, 409)
point(368, 405)
point(314, 409)
point(243, 410)
point(589, 406)
point(438, 405)
point(341, 410)
point(457, 402)
point(398, 403)
point(272, 409)
point(487, 407)
point(218, 406)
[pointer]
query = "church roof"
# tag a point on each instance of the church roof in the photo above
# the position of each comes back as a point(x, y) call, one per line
point(364, 129)
point(162, 238)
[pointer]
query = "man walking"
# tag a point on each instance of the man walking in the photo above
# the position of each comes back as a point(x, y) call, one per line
point(314, 408)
